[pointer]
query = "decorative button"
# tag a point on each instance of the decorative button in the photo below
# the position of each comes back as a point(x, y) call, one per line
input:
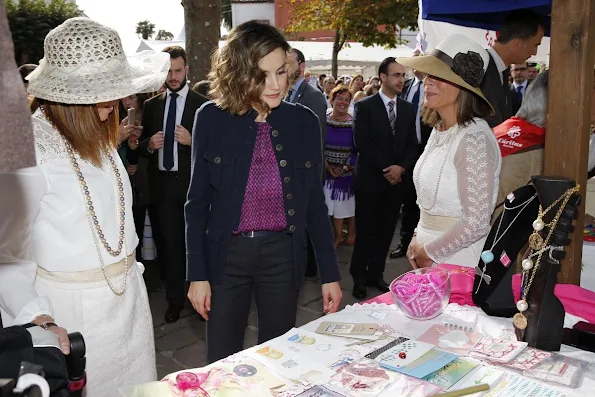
point(282, 163)
point(286, 179)
point(217, 160)
point(308, 164)
point(279, 147)
point(292, 228)
point(291, 212)
point(275, 133)
point(289, 196)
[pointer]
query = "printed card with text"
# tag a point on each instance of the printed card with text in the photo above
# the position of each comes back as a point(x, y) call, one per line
point(528, 359)
point(404, 354)
point(499, 350)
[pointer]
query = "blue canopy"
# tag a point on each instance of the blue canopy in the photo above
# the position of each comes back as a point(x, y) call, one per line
point(482, 14)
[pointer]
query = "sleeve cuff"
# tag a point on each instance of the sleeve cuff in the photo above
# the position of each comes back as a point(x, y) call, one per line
point(34, 309)
point(194, 270)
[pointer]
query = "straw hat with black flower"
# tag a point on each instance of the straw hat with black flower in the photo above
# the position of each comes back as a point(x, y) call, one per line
point(458, 60)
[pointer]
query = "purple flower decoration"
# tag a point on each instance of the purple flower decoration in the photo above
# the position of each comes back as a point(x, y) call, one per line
point(469, 67)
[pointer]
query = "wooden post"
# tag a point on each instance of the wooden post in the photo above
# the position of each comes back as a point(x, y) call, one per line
point(572, 56)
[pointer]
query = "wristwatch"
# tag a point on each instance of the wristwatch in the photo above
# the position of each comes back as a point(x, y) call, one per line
point(345, 168)
point(47, 325)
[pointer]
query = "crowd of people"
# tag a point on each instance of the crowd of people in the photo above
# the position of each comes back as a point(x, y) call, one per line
point(251, 180)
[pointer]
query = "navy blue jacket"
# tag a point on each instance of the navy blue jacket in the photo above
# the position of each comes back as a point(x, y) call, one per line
point(222, 148)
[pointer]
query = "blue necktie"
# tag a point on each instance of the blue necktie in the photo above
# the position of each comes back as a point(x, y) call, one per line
point(519, 93)
point(170, 127)
point(415, 100)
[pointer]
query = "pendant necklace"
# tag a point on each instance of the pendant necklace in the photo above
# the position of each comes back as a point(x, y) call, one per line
point(519, 320)
point(487, 256)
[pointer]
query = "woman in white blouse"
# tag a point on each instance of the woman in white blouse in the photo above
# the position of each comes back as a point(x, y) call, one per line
point(67, 235)
point(456, 177)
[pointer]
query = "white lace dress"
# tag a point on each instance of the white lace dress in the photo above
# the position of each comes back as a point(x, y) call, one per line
point(456, 180)
point(45, 232)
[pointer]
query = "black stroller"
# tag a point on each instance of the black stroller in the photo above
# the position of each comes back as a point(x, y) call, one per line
point(23, 351)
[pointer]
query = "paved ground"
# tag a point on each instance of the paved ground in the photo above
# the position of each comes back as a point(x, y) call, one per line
point(182, 345)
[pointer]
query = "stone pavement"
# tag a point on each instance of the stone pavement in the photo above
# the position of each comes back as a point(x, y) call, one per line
point(182, 345)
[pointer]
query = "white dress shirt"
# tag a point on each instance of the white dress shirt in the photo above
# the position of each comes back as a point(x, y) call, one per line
point(417, 84)
point(523, 87)
point(499, 63)
point(386, 100)
point(180, 103)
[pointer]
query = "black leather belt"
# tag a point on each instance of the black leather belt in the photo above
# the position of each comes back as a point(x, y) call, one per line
point(170, 173)
point(260, 233)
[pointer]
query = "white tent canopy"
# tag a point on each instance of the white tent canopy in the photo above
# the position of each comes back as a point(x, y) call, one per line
point(353, 59)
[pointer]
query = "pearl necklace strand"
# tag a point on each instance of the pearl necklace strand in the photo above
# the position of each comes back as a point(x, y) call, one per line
point(96, 229)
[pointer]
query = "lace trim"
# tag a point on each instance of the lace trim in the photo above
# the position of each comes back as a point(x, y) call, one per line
point(49, 147)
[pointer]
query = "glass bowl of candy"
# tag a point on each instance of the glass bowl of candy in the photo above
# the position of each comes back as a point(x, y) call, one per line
point(423, 293)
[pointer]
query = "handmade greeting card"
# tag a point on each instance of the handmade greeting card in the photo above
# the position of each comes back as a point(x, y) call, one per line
point(403, 354)
point(499, 350)
point(527, 359)
point(451, 373)
point(429, 363)
point(456, 341)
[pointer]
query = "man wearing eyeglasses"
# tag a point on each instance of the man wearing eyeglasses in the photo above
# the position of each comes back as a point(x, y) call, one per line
point(519, 85)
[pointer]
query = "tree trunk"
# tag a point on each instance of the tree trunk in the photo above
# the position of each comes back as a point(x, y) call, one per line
point(202, 20)
point(337, 47)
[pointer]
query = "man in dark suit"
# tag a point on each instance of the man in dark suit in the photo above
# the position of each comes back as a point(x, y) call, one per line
point(518, 39)
point(519, 85)
point(304, 93)
point(414, 94)
point(385, 138)
point(166, 140)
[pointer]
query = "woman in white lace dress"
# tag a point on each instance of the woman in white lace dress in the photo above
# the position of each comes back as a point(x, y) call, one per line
point(67, 238)
point(456, 177)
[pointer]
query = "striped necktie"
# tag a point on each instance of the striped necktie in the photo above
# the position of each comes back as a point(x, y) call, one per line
point(391, 115)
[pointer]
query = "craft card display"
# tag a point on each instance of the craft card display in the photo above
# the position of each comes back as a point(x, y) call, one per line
point(362, 378)
point(517, 386)
point(561, 370)
point(406, 386)
point(451, 373)
point(498, 350)
point(458, 341)
point(427, 364)
point(305, 356)
point(319, 391)
point(527, 359)
point(403, 354)
point(480, 375)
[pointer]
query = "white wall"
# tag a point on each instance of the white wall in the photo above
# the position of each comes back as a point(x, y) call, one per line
point(242, 12)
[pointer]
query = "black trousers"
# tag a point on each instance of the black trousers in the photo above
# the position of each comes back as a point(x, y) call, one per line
point(376, 215)
point(172, 258)
point(262, 267)
point(139, 212)
point(410, 217)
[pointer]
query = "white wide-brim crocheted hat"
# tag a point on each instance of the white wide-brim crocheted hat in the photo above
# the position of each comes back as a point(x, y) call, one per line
point(84, 63)
point(457, 59)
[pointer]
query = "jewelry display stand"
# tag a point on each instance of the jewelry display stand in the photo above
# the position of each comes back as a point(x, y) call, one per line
point(492, 290)
point(545, 313)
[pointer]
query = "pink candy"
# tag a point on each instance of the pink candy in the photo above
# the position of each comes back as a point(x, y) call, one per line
point(422, 293)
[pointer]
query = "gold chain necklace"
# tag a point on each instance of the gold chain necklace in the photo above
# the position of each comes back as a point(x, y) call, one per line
point(96, 229)
point(535, 240)
point(519, 320)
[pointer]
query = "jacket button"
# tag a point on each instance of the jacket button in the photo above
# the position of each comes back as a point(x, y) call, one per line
point(286, 179)
point(275, 133)
point(308, 164)
point(292, 228)
point(282, 163)
point(217, 160)
point(279, 147)
point(289, 196)
point(291, 212)
point(206, 231)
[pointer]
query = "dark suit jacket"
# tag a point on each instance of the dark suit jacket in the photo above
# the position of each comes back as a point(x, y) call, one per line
point(153, 112)
point(499, 97)
point(377, 147)
point(426, 130)
point(515, 102)
point(314, 100)
point(222, 149)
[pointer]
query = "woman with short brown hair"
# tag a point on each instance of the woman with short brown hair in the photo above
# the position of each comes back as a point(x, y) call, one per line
point(255, 196)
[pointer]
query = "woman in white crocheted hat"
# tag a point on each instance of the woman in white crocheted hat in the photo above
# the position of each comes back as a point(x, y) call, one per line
point(67, 239)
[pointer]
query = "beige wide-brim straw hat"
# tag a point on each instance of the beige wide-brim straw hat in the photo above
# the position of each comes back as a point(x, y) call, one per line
point(84, 63)
point(456, 59)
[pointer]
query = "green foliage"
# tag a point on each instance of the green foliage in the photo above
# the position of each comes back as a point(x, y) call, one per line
point(145, 30)
point(164, 35)
point(31, 20)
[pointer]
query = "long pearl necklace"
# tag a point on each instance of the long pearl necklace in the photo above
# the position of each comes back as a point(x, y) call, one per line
point(487, 256)
point(96, 229)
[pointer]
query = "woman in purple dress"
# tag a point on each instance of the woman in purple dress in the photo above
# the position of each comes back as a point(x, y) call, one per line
point(339, 159)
